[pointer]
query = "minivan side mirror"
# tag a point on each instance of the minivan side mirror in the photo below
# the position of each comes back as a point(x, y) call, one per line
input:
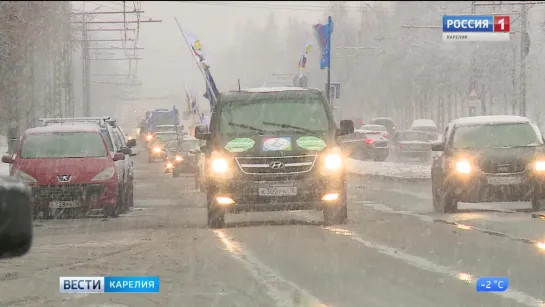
point(16, 230)
point(7, 159)
point(131, 143)
point(202, 133)
point(437, 146)
point(347, 127)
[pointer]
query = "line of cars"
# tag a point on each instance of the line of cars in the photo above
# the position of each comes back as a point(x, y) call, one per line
point(381, 139)
point(76, 166)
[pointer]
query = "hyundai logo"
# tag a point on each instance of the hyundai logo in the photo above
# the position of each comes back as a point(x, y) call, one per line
point(276, 165)
point(64, 178)
point(503, 167)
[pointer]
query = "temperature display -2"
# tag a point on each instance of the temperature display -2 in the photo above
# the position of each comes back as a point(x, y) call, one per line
point(492, 284)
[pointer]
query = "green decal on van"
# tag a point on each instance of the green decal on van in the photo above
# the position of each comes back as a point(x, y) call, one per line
point(239, 145)
point(310, 143)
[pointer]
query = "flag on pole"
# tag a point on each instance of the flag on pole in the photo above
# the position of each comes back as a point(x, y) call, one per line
point(211, 90)
point(195, 44)
point(323, 35)
point(303, 59)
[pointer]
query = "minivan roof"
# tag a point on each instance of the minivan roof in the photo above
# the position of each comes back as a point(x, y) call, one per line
point(284, 92)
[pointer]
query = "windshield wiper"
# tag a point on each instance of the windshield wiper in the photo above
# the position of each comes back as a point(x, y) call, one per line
point(260, 131)
point(291, 126)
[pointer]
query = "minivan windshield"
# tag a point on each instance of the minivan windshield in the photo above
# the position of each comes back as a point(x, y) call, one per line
point(63, 145)
point(264, 116)
point(496, 136)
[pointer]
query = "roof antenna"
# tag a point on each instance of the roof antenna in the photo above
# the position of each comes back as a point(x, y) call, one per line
point(239, 85)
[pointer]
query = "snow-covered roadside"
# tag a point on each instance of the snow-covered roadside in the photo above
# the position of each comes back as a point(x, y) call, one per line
point(389, 169)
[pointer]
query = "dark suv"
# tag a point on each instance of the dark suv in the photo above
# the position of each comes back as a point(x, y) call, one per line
point(386, 122)
point(486, 159)
point(274, 149)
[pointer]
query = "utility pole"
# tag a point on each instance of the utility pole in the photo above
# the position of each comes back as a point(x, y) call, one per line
point(86, 41)
point(472, 78)
point(86, 68)
point(523, 53)
point(67, 67)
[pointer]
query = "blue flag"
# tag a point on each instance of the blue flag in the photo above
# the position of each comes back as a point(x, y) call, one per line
point(323, 34)
point(211, 93)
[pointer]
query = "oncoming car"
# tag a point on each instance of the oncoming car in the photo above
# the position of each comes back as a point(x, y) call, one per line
point(69, 169)
point(158, 141)
point(274, 149)
point(486, 159)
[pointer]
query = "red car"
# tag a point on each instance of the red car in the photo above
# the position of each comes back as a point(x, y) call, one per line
point(69, 169)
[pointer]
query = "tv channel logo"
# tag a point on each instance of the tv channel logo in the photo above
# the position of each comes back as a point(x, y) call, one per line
point(110, 284)
point(471, 28)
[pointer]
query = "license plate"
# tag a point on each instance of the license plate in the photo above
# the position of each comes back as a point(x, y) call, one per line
point(64, 204)
point(504, 180)
point(278, 191)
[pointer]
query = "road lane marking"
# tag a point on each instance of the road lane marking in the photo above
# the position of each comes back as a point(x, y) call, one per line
point(431, 219)
point(424, 264)
point(282, 291)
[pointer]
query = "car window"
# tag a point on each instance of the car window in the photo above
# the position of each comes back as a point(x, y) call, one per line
point(412, 136)
point(272, 114)
point(117, 139)
point(164, 137)
point(106, 135)
point(496, 136)
point(63, 145)
point(187, 145)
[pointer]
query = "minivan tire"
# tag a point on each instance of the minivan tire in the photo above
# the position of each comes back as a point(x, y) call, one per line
point(334, 214)
point(215, 214)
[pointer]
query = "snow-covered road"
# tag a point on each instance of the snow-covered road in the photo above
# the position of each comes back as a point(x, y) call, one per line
point(393, 252)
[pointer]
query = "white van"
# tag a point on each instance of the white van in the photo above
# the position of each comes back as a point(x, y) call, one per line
point(426, 125)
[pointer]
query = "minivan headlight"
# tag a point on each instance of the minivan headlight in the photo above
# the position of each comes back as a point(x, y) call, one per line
point(219, 166)
point(106, 174)
point(23, 176)
point(332, 162)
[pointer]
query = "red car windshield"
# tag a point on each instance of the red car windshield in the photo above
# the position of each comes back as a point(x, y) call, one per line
point(63, 145)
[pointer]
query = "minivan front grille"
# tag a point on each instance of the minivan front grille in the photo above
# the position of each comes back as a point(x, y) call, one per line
point(276, 165)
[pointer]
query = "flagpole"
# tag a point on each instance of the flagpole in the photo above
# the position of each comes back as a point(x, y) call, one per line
point(198, 63)
point(329, 64)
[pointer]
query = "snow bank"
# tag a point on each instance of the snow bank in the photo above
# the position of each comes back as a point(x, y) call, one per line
point(389, 169)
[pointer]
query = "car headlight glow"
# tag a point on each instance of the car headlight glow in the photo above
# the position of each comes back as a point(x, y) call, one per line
point(106, 174)
point(149, 137)
point(219, 166)
point(333, 161)
point(179, 158)
point(23, 176)
point(169, 165)
point(463, 167)
point(540, 166)
point(156, 149)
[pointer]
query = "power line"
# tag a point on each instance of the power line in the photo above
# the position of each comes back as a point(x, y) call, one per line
point(286, 8)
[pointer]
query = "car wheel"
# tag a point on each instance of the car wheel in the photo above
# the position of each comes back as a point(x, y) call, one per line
point(197, 182)
point(444, 202)
point(334, 215)
point(216, 215)
point(175, 173)
point(538, 203)
point(380, 158)
point(130, 197)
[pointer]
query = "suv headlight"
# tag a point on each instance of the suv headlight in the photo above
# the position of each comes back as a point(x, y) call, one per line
point(463, 167)
point(332, 162)
point(106, 174)
point(23, 176)
point(219, 166)
point(156, 149)
point(540, 166)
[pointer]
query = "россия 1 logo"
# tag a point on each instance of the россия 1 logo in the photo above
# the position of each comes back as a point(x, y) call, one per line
point(471, 28)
